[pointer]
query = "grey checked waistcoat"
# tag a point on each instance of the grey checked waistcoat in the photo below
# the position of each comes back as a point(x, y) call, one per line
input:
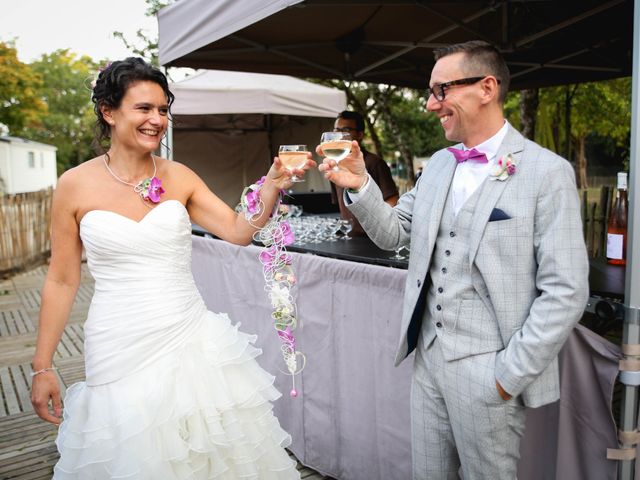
point(454, 310)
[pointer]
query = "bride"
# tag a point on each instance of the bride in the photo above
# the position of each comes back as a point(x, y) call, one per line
point(172, 390)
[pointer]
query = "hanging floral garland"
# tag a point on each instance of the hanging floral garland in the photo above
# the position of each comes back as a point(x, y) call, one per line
point(279, 276)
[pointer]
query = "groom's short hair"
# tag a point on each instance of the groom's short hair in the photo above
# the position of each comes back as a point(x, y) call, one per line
point(480, 58)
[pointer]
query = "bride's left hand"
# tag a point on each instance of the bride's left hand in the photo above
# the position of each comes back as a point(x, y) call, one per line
point(280, 176)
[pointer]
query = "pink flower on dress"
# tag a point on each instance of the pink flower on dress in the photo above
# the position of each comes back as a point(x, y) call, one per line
point(154, 190)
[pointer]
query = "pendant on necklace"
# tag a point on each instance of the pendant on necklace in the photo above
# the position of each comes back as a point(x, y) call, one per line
point(150, 189)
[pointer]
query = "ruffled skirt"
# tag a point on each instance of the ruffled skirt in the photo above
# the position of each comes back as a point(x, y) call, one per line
point(202, 412)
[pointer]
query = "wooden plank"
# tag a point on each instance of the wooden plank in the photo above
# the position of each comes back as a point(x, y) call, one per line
point(17, 349)
point(30, 297)
point(71, 341)
point(22, 386)
point(10, 398)
point(12, 327)
point(34, 463)
point(4, 328)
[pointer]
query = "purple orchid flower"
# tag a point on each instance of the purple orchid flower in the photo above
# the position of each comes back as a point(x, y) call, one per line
point(285, 234)
point(511, 169)
point(253, 201)
point(287, 338)
point(269, 260)
point(154, 190)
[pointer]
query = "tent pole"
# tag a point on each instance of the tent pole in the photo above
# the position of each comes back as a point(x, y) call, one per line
point(631, 332)
point(166, 147)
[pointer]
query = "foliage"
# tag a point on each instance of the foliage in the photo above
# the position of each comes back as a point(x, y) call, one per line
point(20, 102)
point(597, 109)
point(69, 122)
point(145, 46)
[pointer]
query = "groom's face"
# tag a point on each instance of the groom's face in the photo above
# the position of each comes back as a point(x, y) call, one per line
point(459, 112)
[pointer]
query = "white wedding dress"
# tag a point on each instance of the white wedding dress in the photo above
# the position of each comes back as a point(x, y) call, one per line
point(172, 390)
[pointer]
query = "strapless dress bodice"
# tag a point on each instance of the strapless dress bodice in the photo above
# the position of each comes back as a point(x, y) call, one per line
point(145, 299)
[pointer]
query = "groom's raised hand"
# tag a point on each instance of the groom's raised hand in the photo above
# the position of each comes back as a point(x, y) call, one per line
point(351, 171)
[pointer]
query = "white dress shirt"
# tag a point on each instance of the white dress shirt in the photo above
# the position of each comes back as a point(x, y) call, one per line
point(469, 175)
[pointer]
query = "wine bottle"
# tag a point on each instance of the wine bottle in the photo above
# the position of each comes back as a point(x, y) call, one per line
point(617, 228)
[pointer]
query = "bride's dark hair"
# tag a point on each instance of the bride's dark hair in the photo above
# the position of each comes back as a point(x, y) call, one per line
point(112, 84)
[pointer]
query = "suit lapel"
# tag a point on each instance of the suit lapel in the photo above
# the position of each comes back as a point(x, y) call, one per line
point(513, 143)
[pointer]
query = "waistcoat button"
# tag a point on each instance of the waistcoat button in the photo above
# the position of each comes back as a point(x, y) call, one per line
point(440, 290)
point(439, 325)
point(444, 270)
point(452, 234)
point(438, 307)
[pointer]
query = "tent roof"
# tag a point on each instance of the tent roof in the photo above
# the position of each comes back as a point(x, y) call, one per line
point(218, 91)
point(545, 42)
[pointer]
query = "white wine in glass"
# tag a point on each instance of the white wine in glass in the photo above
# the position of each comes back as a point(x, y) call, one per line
point(335, 145)
point(293, 157)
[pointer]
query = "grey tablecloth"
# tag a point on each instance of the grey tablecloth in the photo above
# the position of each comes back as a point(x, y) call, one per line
point(351, 420)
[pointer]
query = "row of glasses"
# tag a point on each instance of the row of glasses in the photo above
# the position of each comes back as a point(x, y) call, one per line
point(334, 145)
point(314, 229)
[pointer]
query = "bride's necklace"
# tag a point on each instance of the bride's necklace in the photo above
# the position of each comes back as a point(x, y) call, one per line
point(149, 188)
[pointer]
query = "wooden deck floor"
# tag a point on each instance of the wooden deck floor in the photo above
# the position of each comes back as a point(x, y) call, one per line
point(27, 449)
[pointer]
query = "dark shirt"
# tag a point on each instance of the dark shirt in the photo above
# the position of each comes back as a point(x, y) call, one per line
point(381, 174)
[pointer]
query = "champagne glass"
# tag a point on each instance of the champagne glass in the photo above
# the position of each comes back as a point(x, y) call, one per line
point(346, 225)
point(335, 145)
point(293, 157)
point(397, 256)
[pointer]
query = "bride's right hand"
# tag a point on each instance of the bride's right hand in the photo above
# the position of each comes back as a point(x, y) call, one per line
point(45, 388)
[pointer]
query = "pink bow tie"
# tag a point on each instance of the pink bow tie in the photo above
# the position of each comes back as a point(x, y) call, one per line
point(471, 154)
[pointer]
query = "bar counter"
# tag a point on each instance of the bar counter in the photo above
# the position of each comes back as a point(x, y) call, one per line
point(351, 419)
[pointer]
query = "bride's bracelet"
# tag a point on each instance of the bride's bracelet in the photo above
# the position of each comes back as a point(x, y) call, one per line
point(279, 276)
point(38, 372)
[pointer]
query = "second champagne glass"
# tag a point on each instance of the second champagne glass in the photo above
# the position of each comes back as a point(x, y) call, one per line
point(335, 145)
point(293, 157)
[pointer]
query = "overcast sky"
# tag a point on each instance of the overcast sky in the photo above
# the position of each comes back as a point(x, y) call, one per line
point(84, 26)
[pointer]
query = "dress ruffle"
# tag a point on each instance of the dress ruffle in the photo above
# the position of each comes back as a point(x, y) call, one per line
point(201, 412)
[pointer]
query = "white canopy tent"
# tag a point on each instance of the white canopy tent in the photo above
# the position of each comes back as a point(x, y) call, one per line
point(227, 126)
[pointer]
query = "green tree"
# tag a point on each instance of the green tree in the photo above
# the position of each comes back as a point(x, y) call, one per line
point(20, 102)
point(600, 109)
point(571, 117)
point(70, 120)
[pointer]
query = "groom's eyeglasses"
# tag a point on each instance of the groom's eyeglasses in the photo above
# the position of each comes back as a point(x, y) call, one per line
point(438, 90)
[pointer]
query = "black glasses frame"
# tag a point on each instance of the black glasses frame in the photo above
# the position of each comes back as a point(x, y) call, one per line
point(438, 90)
point(345, 129)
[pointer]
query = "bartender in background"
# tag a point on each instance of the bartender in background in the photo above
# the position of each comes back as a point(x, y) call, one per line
point(353, 123)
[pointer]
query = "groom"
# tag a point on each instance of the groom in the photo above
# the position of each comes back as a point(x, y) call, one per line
point(497, 277)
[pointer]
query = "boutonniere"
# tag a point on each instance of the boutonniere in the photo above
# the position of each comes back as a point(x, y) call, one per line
point(503, 167)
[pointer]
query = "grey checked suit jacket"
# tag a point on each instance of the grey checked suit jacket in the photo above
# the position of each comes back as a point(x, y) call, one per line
point(531, 269)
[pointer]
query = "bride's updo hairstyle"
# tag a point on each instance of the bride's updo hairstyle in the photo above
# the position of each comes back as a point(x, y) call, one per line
point(112, 84)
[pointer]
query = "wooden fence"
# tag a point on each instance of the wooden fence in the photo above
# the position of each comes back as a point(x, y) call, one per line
point(595, 217)
point(25, 220)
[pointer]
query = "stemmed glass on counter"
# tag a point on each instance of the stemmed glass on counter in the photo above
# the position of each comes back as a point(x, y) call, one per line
point(335, 145)
point(293, 157)
point(346, 225)
point(397, 256)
